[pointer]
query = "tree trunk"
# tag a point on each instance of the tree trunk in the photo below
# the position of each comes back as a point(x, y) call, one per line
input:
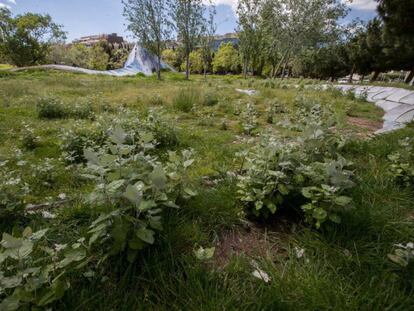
point(187, 66)
point(245, 68)
point(351, 75)
point(280, 64)
point(159, 63)
point(284, 66)
point(409, 76)
point(375, 76)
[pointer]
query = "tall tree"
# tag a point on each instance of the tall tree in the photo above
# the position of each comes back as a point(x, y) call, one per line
point(189, 22)
point(207, 39)
point(249, 31)
point(292, 26)
point(148, 21)
point(26, 39)
point(398, 17)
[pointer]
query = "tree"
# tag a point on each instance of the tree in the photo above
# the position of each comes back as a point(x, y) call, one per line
point(399, 33)
point(226, 59)
point(98, 58)
point(206, 40)
point(249, 32)
point(26, 39)
point(79, 56)
point(148, 21)
point(171, 57)
point(189, 23)
point(196, 62)
point(291, 26)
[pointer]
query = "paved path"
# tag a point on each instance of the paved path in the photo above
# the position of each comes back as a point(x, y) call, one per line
point(397, 103)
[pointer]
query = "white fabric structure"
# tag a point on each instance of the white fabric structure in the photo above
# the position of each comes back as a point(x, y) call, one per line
point(398, 104)
point(139, 61)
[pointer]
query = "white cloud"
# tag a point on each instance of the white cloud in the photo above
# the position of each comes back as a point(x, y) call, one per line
point(365, 5)
point(11, 1)
point(2, 5)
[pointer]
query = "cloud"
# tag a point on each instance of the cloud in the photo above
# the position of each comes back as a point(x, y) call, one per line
point(363, 5)
point(2, 5)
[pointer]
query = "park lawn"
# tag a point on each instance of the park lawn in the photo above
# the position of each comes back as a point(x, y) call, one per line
point(341, 267)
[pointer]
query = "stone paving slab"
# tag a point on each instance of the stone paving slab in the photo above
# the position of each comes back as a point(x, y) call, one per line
point(397, 103)
point(398, 95)
point(387, 105)
point(409, 99)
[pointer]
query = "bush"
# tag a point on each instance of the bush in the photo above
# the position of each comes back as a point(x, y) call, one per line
point(165, 133)
point(29, 140)
point(210, 99)
point(75, 141)
point(308, 173)
point(402, 163)
point(51, 108)
point(81, 111)
point(186, 99)
point(156, 100)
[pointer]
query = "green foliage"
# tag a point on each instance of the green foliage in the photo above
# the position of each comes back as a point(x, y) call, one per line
point(210, 99)
point(136, 186)
point(51, 108)
point(33, 274)
point(27, 38)
point(226, 60)
point(98, 58)
point(307, 173)
point(186, 99)
point(13, 191)
point(171, 57)
point(250, 121)
point(54, 108)
point(402, 163)
point(196, 62)
point(28, 139)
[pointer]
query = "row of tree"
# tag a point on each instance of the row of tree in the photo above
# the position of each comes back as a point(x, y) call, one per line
point(299, 37)
point(308, 37)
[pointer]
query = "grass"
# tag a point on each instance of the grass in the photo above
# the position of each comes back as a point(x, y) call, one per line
point(344, 267)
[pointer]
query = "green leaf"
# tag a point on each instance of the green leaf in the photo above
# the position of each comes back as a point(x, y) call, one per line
point(335, 218)
point(188, 163)
point(133, 194)
point(38, 234)
point(10, 282)
point(118, 136)
point(9, 241)
point(158, 177)
point(91, 156)
point(343, 201)
point(26, 249)
point(10, 304)
point(146, 235)
point(398, 260)
point(320, 214)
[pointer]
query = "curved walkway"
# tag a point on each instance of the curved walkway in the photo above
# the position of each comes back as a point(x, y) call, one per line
point(397, 103)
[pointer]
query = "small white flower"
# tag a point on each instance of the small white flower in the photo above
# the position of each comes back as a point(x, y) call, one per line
point(48, 215)
point(300, 252)
point(260, 274)
point(21, 163)
point(62, 196)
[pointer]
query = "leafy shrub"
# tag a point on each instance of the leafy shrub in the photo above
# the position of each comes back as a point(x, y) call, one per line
point(29, 140)
point(313, 178)
point(137, 187)
point(165, 133)
point(210, 99)
point(81, 111)
point(33, 275)
point(402, 163)
point(13, 191)
point(250, 121)
point(51, 108)
point(75, 141)
point(185, 99)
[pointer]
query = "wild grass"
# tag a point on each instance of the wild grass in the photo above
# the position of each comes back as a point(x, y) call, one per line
point(343, 267)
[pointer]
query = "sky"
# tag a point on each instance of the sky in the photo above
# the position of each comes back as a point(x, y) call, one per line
point(88, 17)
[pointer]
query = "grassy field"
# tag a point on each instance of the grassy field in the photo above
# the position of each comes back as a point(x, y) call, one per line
point(337, 267)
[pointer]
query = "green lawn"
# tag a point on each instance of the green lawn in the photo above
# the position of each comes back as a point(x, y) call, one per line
point(337, 267)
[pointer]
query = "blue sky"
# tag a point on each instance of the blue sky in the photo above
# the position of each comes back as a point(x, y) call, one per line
point(85, 17)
